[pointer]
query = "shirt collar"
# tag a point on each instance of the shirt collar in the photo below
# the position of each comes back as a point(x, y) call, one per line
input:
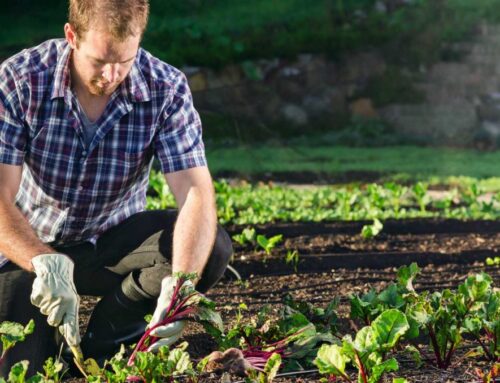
point(61, 74)
point(134, 85)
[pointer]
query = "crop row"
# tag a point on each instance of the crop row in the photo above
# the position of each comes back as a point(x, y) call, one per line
point(394, 322)
point(258, 204)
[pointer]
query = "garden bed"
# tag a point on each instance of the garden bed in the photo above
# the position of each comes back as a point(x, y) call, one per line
point(335, 261)
point(326, 246)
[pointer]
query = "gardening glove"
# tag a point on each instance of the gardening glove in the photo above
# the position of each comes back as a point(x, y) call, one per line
point(54, 292)
point(169, 333)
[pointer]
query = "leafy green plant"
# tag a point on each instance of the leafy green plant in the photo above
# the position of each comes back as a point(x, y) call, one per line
point(492, 261)
point(484, 326)
point(268, 244)
point(292, 258)
point(165, 365)
point(371, 231)
point(159, 196)
point(367, 352)
point(247, 236)
point(324, 319)
point(12, 333)
point(369, 306)
point(421, 196)
point(445, 316)
point(186, 303)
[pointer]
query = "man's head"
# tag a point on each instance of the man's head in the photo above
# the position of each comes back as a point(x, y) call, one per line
point(105, 37)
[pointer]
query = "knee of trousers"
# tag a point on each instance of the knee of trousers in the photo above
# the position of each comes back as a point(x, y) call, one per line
point(218, 260)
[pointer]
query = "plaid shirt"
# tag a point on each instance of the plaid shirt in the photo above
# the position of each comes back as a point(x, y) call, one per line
point(72, 193)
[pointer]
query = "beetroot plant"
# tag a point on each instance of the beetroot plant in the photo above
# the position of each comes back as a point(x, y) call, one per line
point(445, 316)
point(367, 352)
point(12, 333)
point(186, 304)
point(484, 326)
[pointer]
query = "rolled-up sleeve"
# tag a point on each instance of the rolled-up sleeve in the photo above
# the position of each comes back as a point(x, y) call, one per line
point(178, 143)
point(12, 132)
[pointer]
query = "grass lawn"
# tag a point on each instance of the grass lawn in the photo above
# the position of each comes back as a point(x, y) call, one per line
point(405, 163)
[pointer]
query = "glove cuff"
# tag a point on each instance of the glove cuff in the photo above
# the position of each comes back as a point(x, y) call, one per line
point(55, 263)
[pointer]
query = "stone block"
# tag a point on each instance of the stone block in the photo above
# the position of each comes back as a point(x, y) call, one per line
point(363, 107)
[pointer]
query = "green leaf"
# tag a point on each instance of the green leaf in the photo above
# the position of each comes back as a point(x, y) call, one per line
point(381, 368)
point(371, 231)
point(206, 314)
point(399, 380)
point(414, 354)
point(365, 340)
point(476, 287)
point(392, 297)
point(18, 372)
point(331, 360)
point(180, 360)
point(389, 327)
point(271, 368)
point(29, 328)
point(406, 275)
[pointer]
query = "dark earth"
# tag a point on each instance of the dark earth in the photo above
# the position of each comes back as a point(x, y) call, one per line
point(336, 261)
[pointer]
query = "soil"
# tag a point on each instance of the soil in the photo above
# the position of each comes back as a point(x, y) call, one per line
point(319, 281)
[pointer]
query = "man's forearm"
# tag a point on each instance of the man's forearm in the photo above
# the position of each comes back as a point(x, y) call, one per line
point(18, 241)
point(194, 232)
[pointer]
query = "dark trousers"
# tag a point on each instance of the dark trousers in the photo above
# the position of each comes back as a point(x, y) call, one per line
point(138, 249)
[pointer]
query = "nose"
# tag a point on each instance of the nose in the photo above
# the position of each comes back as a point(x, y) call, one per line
point(111, 72)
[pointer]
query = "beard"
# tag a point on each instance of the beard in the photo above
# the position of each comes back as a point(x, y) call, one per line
point(97, 88)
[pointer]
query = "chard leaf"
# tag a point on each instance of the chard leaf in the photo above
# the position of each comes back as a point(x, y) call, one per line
point(389, 327)
point(180, 361)
point(207, 314)
point(381, 368)
point(304, 346)
point(365, 340)
point(271, 368)
point(392, 297)
point(406, 275)
point(331, 360)
point(18, 372)
point(414, 354)
point(476, 287)
point(399, 380)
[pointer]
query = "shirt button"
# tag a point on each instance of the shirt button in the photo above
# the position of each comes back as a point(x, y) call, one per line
point(84, 153)
point(80, 188)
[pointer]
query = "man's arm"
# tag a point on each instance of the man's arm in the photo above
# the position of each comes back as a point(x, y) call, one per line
point(196, 225)
point(18, 241)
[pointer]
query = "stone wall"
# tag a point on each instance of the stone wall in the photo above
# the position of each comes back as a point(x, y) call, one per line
point(460, 103)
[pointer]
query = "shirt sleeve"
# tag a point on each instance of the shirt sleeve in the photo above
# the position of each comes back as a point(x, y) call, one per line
point(178, 143)
point(12, 132)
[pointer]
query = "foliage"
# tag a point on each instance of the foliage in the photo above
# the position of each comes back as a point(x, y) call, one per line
point(445, 316)
point(292, 257)
point(12, 333)
point(367, 352)
point(371, 231)
point(268, 244)
point(247, 236)
point(369, 306)
point(186, 303)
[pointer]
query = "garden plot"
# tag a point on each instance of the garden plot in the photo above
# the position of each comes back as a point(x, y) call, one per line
point(325, 246)
point(332, 264)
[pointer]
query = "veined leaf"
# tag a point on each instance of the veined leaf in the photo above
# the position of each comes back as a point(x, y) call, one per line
point(331, 360)
point(389, 327)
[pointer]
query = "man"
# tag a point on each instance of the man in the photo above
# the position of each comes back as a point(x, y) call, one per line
point(81, 119)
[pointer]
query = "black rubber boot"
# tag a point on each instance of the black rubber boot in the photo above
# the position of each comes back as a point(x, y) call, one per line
point(118, 318)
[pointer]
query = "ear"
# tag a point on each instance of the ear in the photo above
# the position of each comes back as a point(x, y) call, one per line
point(70, 35)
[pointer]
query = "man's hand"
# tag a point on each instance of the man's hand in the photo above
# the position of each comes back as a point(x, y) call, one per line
point(54, 292)
point(172, 332)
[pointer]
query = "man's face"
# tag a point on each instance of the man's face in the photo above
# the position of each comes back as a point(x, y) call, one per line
point(100, 61)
